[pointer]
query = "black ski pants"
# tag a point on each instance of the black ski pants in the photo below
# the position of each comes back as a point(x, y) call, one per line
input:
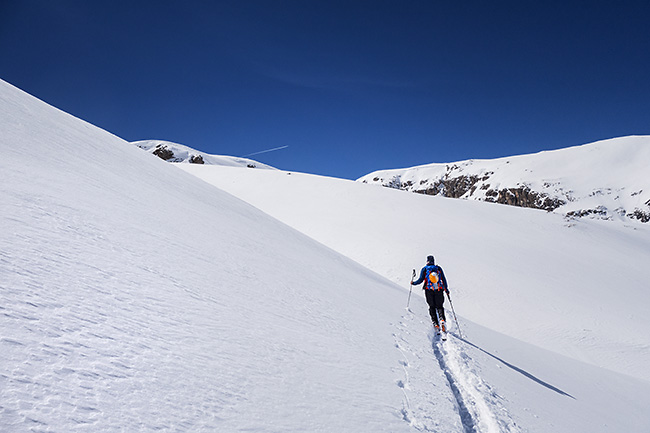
point(435, 299)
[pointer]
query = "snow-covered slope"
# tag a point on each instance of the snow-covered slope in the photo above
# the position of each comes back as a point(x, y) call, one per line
point(605, 180)
point(179, 153)
point(135, 297)
point(578, 289)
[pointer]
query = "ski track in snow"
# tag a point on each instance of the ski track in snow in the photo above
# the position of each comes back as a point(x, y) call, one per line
point(484, 411)
point(459, 398)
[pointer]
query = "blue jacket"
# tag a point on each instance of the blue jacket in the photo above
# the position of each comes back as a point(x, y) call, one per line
point(426, 270)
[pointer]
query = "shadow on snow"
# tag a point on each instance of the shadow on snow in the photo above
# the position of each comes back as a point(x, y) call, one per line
point(517, 369)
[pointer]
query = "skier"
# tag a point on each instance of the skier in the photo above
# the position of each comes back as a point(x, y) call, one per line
point(435, 284)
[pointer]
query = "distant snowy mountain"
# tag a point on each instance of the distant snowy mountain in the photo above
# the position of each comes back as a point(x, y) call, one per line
point(606, 180)
point(179, 153)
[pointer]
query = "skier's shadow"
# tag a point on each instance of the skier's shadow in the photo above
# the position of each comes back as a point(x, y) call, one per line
point(517, 369)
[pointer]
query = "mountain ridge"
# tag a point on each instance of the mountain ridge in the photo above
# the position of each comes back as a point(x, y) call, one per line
point(182, 154)
point(604, 180)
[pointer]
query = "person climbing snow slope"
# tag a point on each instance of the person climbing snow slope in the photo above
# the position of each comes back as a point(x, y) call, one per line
point(435, 286)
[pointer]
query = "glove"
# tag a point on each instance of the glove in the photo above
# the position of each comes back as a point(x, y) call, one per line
point(447, 291)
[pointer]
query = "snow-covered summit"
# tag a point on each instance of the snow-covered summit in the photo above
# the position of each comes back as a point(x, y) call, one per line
point(607, 179)
point(179, 153)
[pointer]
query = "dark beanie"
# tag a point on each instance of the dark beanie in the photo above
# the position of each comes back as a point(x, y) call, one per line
point(431, 260)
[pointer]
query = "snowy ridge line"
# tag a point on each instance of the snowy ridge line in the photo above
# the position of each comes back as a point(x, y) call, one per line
point(478, 405)
point(181, 154)
point(603, 180)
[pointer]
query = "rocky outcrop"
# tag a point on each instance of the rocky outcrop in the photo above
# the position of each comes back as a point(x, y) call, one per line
point(640, 215)
point(181, 154)
point(604, 180)
point(600, 212)
point(163, 152)
point(524, 197)
point(196, 159)
point(466, 186)
point(455, 187)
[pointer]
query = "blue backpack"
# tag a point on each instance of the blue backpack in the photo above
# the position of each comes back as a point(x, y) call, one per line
point(433, 279)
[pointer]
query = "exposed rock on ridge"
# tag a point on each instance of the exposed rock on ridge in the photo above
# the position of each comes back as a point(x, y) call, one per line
point(603, 180)
point(179, 153)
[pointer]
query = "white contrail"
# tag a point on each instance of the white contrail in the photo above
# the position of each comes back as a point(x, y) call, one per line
point(265, 151)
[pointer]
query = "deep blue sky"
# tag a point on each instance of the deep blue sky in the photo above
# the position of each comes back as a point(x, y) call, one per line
point(351, 86)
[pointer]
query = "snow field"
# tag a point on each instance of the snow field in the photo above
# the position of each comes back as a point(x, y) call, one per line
point(534, 280)
point(554, 285)
point(134, 297)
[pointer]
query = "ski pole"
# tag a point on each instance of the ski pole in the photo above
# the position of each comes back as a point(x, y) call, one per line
point(410, 289)
point(452, 310)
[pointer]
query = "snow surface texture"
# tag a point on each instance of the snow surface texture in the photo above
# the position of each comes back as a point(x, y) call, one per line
point(604, 180)
point(576, 289)
point(179, 153)
point(579, 289)
point(135, 297)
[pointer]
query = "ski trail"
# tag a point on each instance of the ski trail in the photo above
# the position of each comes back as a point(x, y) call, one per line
point(479, 406)
point(466, 417)
point(426, 403)
point(442, 387)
